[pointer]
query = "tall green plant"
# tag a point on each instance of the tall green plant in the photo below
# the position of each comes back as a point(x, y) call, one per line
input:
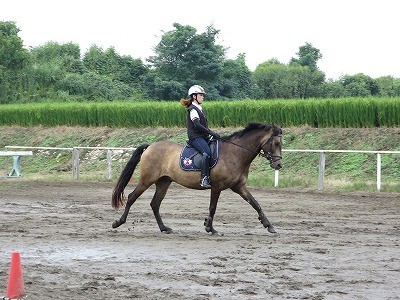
point(341, 113)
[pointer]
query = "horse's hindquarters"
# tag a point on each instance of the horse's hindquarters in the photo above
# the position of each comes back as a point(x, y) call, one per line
point(162, 159)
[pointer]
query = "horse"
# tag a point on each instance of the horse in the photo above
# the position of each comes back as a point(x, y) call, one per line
point(159, 165)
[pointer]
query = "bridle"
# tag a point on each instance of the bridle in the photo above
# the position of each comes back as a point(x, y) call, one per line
point(269, 155)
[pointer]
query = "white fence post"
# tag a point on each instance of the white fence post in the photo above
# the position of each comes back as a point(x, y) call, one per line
point(75, 163)
point(378, 171)
point(321, 171)
point(276, 178)
point(109, 154)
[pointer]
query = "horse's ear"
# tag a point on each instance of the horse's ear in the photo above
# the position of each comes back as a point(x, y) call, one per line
point(276, 129)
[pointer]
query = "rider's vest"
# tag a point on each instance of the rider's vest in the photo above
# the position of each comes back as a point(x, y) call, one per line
point(192, 134)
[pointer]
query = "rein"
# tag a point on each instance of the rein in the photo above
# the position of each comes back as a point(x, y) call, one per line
point(269, 156)
point(252, 151)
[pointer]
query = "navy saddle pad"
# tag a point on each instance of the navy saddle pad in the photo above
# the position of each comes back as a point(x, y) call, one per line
point(190, 158)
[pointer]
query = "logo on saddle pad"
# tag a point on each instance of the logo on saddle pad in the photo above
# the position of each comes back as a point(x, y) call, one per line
point(190, 158)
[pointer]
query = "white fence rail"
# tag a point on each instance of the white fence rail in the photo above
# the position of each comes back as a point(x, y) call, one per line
point(76, 153)
point(321, 168)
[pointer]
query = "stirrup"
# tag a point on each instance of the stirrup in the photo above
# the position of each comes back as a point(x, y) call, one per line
point(205, 182)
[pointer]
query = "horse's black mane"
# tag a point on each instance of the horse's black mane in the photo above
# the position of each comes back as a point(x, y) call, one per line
point(252, 126)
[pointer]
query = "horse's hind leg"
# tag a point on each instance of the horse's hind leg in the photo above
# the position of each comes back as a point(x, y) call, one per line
point(140, 188)
point(246, 195)
point(162, 186)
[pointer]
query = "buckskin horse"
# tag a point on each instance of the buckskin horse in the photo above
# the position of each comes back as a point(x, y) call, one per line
point(237, 151)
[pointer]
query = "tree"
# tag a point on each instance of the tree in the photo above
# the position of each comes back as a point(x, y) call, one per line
point(188, 58)
point(270, 76)
point(131, 71)
point(109, 63)
point(68, 55)
point(51, 63)
point(333, 89)
point(396, 87)
point(236, 81)
point(14, 60)
point(307, 56)
point(387, 86)
point(360, 85)
point(298, 81)
point(94, 87)
point(277, 80)
point(101, 62)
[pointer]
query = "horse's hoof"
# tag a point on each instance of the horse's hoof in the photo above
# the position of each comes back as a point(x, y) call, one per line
point(213, 231)
point(271, 229)
point(115, 224)
point(216, 233)
point(166, 230)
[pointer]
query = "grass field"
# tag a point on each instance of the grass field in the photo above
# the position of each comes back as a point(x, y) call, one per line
point(321, 113)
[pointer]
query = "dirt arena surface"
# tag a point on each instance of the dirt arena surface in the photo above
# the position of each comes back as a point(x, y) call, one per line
point(328, 246)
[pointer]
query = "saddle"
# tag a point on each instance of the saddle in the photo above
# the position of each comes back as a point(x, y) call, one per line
point(190, 158)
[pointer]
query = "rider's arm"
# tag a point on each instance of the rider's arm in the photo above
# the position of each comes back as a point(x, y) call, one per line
point(194, 116)
point(200, 128)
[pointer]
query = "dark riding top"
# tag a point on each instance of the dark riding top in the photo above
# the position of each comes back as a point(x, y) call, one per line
point(191, 130)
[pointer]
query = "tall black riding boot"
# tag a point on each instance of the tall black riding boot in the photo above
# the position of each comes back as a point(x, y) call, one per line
point(205, 171)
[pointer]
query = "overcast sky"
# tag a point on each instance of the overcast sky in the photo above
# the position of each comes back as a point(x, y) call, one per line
point(354, 36)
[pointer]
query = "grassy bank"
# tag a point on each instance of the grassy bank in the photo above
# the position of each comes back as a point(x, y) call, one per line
point(344, 171)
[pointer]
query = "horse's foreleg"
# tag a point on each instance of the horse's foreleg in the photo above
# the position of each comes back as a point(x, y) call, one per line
point(162, 186)
point(208, 223)
point(246, 195)
point(131, 199)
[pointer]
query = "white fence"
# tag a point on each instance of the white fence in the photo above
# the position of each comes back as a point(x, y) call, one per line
point(76, 153)
point(321, 168)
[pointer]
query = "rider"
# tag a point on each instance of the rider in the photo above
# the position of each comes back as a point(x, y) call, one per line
point(198, 131)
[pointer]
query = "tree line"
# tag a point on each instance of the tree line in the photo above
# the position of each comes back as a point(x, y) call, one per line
point(183, 57)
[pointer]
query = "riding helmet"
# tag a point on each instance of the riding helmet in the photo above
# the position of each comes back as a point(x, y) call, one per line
point(196, 89)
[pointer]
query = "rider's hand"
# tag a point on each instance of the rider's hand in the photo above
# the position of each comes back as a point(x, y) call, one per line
point(215, 135)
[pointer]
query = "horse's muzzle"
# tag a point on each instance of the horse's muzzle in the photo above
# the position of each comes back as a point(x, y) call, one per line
point(276, 162)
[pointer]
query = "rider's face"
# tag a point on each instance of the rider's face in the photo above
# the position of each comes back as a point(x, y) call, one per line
point(200, 98)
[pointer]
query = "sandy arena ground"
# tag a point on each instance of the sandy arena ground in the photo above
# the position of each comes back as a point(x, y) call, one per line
point(328, 246)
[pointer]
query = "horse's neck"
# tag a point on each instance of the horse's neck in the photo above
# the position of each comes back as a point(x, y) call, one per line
point(249, 145)
point(253, 141)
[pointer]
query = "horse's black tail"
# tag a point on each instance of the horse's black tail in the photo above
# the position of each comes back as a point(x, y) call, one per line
point(118, 198)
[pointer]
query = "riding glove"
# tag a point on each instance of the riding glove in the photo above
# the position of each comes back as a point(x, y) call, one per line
point(214, 135)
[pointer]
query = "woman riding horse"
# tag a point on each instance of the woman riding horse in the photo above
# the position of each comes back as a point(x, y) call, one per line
point(237, 151)
point(198, 131)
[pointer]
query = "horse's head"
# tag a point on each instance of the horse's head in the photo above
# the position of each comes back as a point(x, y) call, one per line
point(272, 148)
point(262, 139)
